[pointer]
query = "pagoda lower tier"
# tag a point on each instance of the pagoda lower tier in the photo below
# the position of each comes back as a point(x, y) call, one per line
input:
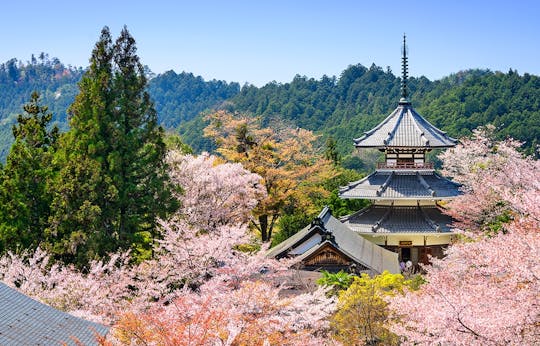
point(415, 232)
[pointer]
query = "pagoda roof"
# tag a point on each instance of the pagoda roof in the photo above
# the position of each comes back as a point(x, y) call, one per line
point(327, 231)
point(405, 128)
point(401, 184)
point(378, 219)
point(25, 321)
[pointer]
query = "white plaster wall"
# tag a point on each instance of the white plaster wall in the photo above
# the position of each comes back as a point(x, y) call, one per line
point(417, 240)
point(406, 202)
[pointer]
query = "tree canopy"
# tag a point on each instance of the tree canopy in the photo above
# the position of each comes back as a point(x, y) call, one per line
point(112, 182)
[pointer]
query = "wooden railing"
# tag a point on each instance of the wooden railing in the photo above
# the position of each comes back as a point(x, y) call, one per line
point(409, 165)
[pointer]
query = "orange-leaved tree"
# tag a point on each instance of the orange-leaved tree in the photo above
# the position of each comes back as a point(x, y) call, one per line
point(291, 165)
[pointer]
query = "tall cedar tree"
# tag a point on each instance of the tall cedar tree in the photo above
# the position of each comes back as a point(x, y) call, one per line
point(113, 183)
point(24, 194)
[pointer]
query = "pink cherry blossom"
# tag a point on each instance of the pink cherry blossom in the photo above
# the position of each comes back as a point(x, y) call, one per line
point(486, 290)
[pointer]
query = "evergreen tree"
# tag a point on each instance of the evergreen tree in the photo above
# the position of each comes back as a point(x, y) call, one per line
point(113, 183)
point(24, 194)
point(137, 163)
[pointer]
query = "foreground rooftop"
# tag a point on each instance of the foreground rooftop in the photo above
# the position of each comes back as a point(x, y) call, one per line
point(25, 321)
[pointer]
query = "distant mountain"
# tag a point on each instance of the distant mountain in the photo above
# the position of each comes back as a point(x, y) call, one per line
point(181, 97)
point(177, 97)
point(56, 83)
point(361, 97)
point(341, 107)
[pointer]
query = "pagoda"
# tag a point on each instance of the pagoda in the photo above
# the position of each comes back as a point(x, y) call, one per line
point(405, 215)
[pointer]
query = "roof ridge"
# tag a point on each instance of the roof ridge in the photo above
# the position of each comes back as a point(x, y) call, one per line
point(430, 126)
point(392, 133)
point(381, 124)
point(424, 183)
point(430, 222)
point(384, 186)
point(417, 127)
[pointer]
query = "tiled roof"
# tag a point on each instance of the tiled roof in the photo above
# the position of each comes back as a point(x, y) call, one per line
point(390, 219)
point(348, 242)
point(405, 128)
point(401, 185)
point(25, 321)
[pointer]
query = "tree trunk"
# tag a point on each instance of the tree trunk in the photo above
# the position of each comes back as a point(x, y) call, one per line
point(263, 223)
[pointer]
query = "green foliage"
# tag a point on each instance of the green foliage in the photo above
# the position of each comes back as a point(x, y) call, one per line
point(25, 195)
point(177, 97)
point(497, 225)
point(180, 97)
point(331, 153)
point(343, 108)
point(289, 224)
point(249, 248)
point(362, 313)
point(338, 281)
point(113, 183)
point(174, 142)
point(55, 83)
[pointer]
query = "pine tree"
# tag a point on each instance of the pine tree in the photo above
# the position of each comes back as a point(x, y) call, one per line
point(24, 194)
point(113, 184)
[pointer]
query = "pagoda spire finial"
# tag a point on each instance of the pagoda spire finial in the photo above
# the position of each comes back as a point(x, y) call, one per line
point(404, 73)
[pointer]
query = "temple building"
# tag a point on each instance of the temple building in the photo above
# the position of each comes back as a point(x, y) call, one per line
point(405, 215)
point(330, 245)
point(405, 221)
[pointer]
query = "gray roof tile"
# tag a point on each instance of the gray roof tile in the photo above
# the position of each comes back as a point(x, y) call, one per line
point(25, 321)
point(404, 127)
point(351, 244)
point(418, 185)
point(402, 219)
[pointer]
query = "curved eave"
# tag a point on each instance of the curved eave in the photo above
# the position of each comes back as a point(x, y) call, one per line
point(384, 147)
point(413, 198)
point(404, 185)
point(386, 234)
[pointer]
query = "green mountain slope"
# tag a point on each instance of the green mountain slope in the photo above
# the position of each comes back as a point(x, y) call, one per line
point(361, 97)
point(177, 97)
point(340, 107)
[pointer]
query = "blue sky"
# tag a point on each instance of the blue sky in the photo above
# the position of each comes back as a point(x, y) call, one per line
point(260, 41)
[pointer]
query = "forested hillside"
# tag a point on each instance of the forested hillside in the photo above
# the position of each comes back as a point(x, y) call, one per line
point(340, 107)
point(180, 97)
point(177, 97)
point(56, 83)
point(361, 97)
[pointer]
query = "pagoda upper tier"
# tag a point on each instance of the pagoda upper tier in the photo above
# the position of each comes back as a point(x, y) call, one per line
point(405, 128)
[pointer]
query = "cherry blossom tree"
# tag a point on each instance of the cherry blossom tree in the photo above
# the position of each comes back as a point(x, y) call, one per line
point(199, 288)
point(252, 314)
point(485, 291)
point(214, 194)
point(497, 179)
